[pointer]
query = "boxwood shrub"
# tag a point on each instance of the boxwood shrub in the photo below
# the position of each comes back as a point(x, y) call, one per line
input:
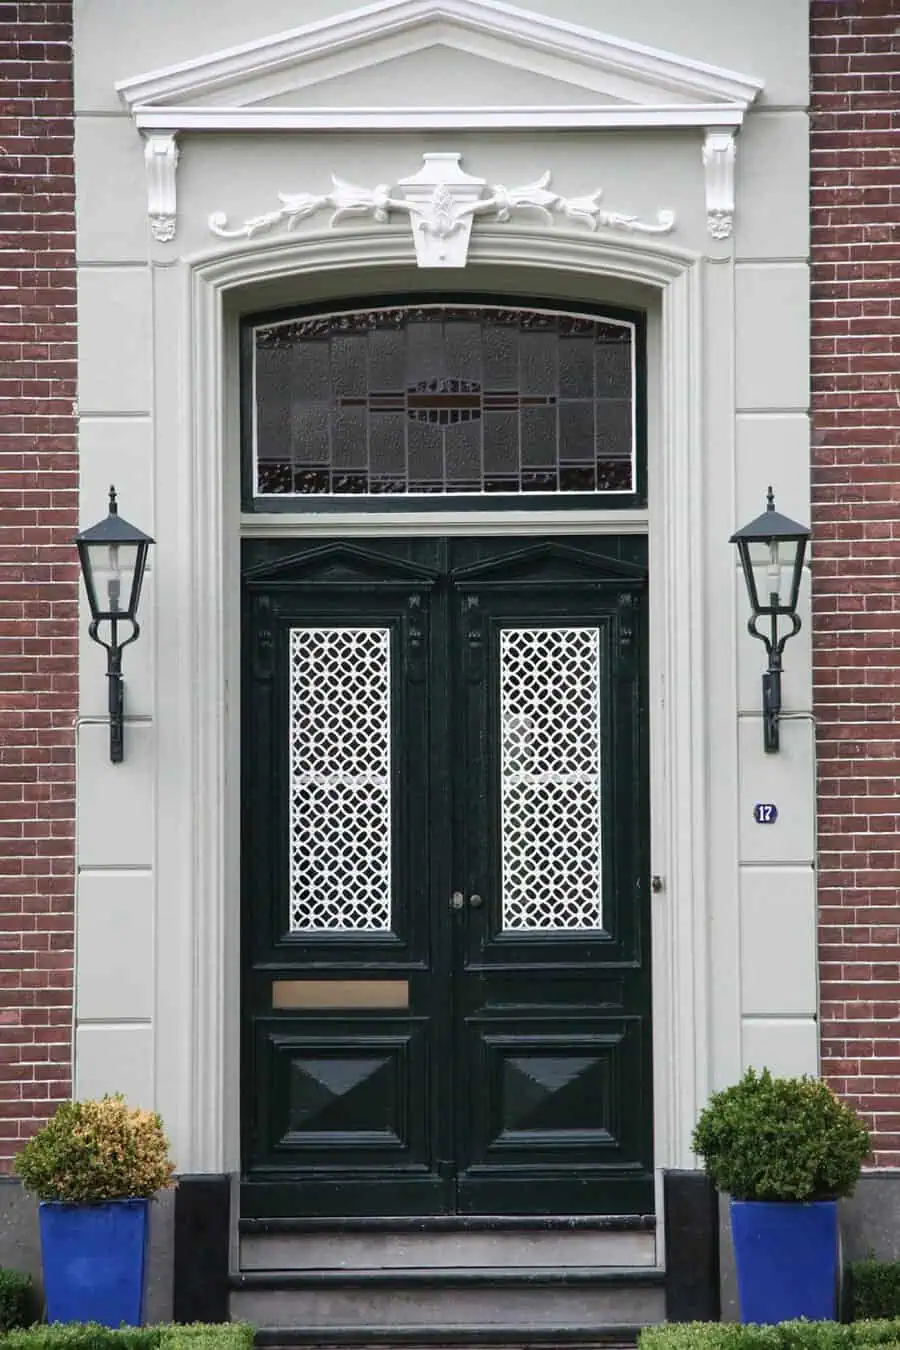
point(766, 1138)
point(88, 1336)
point(875, 1288)
point(18, 1300)
point(784, 1336)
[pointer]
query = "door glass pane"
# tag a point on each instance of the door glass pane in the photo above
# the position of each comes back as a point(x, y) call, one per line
point(550, 779)
point(340, 780)
point(443, 399)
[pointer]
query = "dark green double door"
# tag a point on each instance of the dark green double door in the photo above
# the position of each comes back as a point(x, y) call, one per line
point(446, 985)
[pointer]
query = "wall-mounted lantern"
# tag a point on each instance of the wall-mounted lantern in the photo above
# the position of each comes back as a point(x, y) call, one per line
point(113, 555)
point(771, 549)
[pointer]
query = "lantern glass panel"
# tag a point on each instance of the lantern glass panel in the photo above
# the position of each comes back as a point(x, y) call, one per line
point(772, 561)
point(114, 571)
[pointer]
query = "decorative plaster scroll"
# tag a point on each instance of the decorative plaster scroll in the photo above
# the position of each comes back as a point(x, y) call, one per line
point(441, 201)
point(161, 161)
point(718, 163)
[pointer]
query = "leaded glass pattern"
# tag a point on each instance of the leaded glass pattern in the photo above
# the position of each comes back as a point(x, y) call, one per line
point(444, 400)
point(340, 780)
point(550, 779)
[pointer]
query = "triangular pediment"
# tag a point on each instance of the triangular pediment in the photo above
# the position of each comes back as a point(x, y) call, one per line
point(340, 565)
point(436, 56)
point(549, 563)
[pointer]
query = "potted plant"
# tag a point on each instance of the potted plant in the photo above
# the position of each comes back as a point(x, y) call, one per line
point(785, 1150)
point(94, 1168)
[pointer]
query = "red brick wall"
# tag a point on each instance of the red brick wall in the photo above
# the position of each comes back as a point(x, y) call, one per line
point(38, 578)
point(856, 571)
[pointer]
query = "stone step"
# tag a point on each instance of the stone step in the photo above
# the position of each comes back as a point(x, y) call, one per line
point(391, 1338)
point(460, 1302)
point(553, 1248)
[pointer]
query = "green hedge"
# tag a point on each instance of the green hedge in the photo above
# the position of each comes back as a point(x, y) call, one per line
point(875, 1288)
point(18, 1300)
point(784, 1336)
point(88, 1336)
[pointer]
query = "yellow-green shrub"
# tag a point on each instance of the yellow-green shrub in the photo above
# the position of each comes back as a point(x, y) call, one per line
point(93, 1151)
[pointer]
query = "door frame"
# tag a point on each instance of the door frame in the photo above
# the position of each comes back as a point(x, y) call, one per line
point(197, 590)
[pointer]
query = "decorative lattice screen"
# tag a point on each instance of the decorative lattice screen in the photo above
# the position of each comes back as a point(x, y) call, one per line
point(550, 778)
point(340, 785)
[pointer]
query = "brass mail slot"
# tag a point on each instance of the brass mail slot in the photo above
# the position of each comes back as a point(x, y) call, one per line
point(340, 993)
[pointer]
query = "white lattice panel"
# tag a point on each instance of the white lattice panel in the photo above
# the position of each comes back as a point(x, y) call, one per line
point(340, 809)
point(550, 778)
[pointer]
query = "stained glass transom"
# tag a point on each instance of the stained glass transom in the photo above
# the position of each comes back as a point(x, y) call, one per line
point(550, 778)
point(443, 400)
point(340, 780)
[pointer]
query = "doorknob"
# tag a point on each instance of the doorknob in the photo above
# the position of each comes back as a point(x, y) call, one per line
point(476, 901)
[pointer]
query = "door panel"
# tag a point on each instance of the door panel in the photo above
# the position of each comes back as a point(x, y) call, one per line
point(339, 1113)
point(446, 983)
point(553, 988)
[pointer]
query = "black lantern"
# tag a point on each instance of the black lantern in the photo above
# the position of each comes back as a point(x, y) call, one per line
point(771, 549)
point(113, 555)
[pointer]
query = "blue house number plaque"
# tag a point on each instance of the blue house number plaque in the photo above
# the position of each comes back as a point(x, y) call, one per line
point(765, 813)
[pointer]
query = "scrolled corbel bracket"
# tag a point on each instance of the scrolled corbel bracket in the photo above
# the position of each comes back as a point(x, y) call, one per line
point(161, 164)
point(719, 150)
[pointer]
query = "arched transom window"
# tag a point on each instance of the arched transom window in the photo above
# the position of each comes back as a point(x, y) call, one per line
point(441, 400)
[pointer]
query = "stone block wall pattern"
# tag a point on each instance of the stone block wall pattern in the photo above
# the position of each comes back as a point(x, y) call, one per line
point(856, 549)
point(38, 571)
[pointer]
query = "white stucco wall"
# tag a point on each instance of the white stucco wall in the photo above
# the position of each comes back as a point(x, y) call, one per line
point(142, 1026)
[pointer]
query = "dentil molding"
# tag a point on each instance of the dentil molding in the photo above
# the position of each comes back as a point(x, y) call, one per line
point(441, 202)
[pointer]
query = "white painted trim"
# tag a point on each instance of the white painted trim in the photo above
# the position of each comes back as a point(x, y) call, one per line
point(578, 117)
point(519, 27)
point(197, 581)
point(372, 525)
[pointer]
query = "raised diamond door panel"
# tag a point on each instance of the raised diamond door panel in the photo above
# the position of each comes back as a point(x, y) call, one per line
point(340, 783)
point(343, 1085)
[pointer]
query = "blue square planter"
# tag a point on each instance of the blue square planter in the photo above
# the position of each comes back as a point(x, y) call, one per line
point(93, 1261)
point(787, 1259)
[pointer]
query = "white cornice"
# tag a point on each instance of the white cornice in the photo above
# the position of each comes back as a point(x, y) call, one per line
point(665, 73)
point(536, 118)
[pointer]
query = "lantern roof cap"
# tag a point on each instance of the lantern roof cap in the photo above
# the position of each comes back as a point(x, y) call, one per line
point(770, 525)
point(114, 529)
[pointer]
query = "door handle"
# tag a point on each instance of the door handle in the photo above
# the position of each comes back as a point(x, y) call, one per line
point(458, 901)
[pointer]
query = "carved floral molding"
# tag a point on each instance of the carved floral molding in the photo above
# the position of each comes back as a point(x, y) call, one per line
point(441, 202)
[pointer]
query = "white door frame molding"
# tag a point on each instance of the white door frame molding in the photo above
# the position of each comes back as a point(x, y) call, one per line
point(197, 585)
